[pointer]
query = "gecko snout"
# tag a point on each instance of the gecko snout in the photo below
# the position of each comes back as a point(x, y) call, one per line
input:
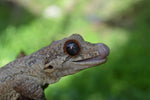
point(103, 49)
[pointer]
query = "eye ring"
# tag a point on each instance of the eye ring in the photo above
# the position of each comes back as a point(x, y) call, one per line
point(72, 47)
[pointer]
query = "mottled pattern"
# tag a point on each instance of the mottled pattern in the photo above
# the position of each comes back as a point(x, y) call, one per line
point(27, 77)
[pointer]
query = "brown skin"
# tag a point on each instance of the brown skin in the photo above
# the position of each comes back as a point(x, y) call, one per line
point(27, 77)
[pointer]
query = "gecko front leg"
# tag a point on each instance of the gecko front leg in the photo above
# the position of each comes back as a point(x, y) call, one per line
point(28, 89)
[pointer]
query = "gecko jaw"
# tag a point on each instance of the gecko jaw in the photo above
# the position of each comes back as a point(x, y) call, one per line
point(92, 61)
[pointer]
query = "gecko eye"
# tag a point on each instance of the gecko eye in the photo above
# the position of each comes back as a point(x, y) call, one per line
point(72, 47)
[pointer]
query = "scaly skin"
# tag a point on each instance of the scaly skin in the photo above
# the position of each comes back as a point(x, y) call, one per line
point(27, 77)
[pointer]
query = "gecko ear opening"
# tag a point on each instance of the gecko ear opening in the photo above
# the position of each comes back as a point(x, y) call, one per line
point(49, 67)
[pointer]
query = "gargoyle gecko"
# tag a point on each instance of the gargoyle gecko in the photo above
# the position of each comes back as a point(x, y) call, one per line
point(26, 78)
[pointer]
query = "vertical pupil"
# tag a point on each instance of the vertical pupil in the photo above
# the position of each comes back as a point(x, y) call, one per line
point(72, 48)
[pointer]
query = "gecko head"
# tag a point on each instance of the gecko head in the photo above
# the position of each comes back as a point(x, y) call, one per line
point(73, 54)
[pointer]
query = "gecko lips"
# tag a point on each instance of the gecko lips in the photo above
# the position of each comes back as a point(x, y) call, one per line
point(97, 60)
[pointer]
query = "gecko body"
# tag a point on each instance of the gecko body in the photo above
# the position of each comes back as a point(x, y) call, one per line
point(27, 77)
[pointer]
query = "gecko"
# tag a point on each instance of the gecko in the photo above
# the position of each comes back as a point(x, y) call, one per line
point(26, 77)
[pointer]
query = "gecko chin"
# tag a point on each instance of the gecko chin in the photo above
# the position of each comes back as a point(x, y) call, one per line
point(78, 65)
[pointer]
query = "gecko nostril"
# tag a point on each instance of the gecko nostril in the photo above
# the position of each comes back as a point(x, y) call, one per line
point(103, 49)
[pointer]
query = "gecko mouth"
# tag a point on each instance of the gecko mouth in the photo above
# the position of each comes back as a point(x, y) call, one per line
point(92, 61)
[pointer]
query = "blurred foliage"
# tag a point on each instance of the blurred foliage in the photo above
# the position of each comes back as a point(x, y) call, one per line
point(27, 25)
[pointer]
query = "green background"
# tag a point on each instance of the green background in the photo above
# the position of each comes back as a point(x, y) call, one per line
point(28, 25)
